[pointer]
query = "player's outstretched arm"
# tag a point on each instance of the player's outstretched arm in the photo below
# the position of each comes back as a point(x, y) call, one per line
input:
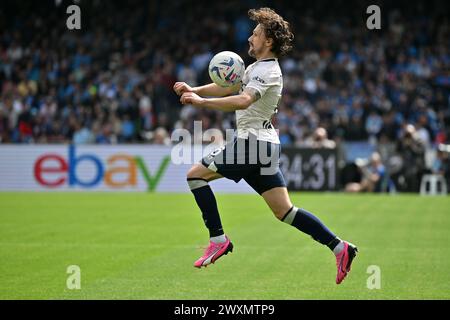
point(231, 103)
point(209, 90)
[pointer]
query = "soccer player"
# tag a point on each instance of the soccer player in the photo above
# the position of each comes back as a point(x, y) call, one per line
point(255, 101)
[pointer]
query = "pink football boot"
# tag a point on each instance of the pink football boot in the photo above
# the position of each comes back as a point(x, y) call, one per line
point(214, 252)
point(344, 261)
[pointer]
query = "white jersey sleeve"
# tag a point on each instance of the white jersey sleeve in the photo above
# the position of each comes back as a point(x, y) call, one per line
point(263, 80)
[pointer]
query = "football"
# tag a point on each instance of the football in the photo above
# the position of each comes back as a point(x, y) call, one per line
point(226, 69)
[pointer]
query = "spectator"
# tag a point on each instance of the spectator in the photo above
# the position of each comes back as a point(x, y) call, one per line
point(161, 137)
point(412, 151)
point(83, 135)
point(373, 176)
point(319, 139)
point(374, 124)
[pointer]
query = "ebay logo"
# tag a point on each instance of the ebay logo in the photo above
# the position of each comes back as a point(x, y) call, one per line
point(52, 170)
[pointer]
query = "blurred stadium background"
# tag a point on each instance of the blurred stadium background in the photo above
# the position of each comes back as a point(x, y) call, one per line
point(93, 110)
point(110, 83)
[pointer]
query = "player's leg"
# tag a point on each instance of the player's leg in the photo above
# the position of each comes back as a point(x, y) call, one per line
point(269, 182)
point(279, 202)
point(213, 167)
point(198, 179)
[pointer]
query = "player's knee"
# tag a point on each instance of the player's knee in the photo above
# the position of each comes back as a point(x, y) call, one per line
point(191, 174)
point(194, 179)
point(279, 213)
point(195, 173)
point(281, 209)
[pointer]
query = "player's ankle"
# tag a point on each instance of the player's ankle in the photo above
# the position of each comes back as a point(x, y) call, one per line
point(336, 245)
point(219, 239)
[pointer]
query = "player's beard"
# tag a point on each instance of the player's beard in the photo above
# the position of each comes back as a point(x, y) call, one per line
point(251, 52)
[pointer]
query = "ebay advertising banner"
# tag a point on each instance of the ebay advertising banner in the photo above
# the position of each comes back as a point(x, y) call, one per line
point(127, 168)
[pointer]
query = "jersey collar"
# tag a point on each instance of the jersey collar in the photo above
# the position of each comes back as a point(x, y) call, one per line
point(267, 60)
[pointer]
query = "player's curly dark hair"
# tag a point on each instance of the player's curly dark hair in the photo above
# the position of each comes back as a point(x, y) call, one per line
point(275, 28)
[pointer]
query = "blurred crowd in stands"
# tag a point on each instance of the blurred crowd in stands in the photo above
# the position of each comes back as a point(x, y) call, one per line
point(111, 82)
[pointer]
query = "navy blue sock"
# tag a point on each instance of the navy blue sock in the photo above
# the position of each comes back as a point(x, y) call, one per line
point(311, 225)
point(206, 201)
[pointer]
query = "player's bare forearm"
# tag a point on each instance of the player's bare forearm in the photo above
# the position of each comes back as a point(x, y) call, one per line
point(209, 90)
point(227, 104)
point(213, 90)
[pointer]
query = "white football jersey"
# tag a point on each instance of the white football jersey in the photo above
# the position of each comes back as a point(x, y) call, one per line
point(265, 77)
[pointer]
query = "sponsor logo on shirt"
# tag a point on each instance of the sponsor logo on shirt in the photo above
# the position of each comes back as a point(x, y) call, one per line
point(258, 79)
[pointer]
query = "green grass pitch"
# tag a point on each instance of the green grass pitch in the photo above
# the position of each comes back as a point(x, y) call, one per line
point(142, 246)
